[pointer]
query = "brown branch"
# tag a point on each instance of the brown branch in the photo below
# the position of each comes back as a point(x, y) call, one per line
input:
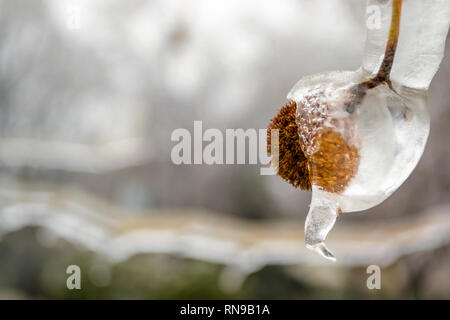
point(384, 72)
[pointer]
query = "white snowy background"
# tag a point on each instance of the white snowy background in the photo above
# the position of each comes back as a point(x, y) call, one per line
point(90, 92)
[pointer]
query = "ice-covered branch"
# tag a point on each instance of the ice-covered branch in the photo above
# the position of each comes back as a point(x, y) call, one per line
point(239, 244)
point(76, 157)
point(423, 30)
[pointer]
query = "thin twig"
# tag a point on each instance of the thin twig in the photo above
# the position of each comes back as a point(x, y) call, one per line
point(384, 72)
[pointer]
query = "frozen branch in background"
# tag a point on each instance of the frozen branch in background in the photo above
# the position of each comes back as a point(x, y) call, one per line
point(74, 157)
point(240, 244)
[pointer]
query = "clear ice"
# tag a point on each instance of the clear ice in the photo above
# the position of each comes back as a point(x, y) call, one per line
point(390, 126)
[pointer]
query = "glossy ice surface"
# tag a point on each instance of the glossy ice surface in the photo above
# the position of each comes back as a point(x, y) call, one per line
point(389, 129)
point(423, 30)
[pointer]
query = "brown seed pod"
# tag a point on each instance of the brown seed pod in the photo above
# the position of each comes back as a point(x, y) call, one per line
point(321, 157)
point(335, 162)
point(293, 165)
point(338, 135)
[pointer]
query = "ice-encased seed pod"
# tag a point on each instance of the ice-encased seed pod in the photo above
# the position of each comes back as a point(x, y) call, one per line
point(360, 145)
point(353, 147)
point(353, 137)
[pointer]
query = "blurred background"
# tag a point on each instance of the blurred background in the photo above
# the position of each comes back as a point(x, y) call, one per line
point(90, 93)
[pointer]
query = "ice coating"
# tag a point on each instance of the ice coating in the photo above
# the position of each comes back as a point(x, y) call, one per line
point(389, 128)
point(362, 133)
point(371, 146)
point(320, 107)
point(423, 30)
